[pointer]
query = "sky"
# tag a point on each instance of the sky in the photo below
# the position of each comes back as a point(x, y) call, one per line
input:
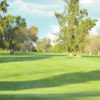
point(40, 13)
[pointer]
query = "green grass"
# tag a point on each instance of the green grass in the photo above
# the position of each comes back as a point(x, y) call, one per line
point(49, 76)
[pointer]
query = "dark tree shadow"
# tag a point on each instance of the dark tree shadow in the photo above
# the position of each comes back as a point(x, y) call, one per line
point(68, 96)
point(59, 80)
point(16, 59)
point(91, 56)
point(34, 57)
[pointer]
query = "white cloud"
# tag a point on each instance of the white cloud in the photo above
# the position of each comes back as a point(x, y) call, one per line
point(95, 28)
point(85, 1)
point(54, 29)
point(89, 1)
point(31, 8)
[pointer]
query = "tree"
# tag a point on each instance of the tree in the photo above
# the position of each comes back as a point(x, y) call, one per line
point(1, 32)
point(3, 7)
point(74, 27)
point(14, 31)
point(56, 48)
point(31, 33)
point(2, 45)
point(44, 44)
point(93, 43)
point(89, 40)
point(95, 46)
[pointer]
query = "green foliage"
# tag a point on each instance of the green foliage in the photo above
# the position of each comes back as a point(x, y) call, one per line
point(31, 36)
point(93, 43)
point(38, 49)
point(3, 8)
point(74, 27)
point(1, 49)
point(14, 31)
point(44, 44)
point(95, 46)
point(32, 33)
point(56, 48)
point(2, 45)
point(50, 49)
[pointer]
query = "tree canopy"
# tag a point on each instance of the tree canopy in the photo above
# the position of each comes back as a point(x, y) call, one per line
point(14, 30)
point(32, 33)
point(3, 8)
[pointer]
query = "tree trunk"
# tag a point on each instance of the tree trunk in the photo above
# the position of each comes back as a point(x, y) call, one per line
point(10, 47)
point(71, 53)
point(44, 50)
point(19, 52)
point(98, 53)
point(89, 53)
point(27, 51)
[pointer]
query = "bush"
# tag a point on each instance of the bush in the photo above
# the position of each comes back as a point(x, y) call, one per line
point(1, 49)
point(38, 49)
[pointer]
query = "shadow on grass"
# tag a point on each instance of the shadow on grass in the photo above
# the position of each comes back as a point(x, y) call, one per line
point(59, 80)
point(68, 96)
point(36, 56)
point(31, 53)
point(91, 56)
point(15, 59)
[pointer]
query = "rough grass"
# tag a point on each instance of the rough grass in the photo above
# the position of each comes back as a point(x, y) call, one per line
point(49, 76)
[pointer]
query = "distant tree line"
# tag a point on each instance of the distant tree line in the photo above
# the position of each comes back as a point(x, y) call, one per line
point(93, 44)
point(44, 45)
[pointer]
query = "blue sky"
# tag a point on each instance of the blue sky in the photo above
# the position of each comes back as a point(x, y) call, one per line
point(41, 13)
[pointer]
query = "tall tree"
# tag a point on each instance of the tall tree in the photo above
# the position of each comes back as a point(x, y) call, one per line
point(3, 8)
point(31, 33)
point(15, 30)
point(74, 27)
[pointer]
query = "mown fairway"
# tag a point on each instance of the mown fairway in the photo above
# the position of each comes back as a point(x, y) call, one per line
point(49, 76)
